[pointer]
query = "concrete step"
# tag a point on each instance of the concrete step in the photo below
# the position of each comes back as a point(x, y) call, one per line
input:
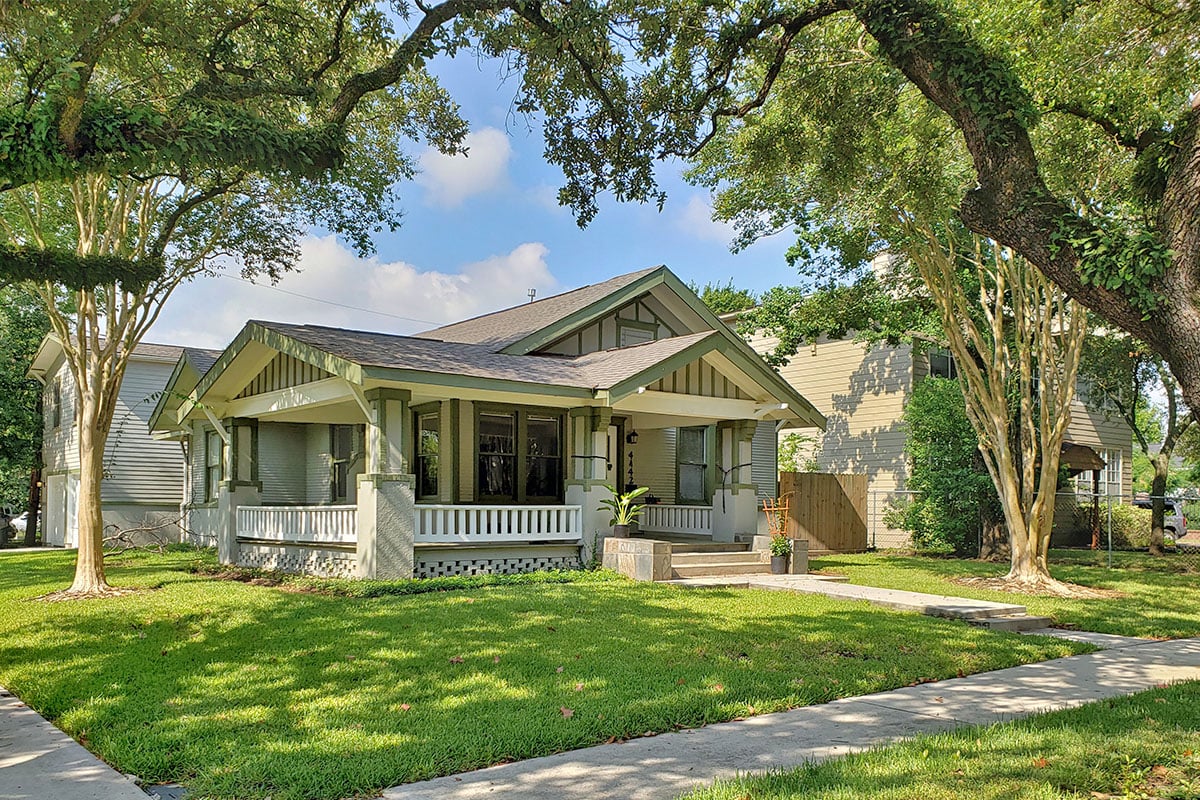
point(1012, 622)
point(719, 568)
point(709, 547)
point(709, 557)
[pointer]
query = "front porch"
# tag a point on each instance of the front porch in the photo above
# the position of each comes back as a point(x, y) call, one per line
point(447, 539)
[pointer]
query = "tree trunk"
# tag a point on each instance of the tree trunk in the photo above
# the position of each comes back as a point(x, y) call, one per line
point(993, 540)
point(92, 430)
point(1158, 488)
point(34, 506)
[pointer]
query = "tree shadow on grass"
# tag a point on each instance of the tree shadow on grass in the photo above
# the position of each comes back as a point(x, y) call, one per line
point(241, 690)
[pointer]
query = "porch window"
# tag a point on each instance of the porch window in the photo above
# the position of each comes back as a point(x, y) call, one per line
point(341, 451)
point(214, 459)
point(497, 456)
point(427, 456)
point(520, 456)
point(691, 450)
point(543, 458)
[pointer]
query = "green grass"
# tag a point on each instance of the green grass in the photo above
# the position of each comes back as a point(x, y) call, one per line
point(241, 690)
point(1144, 746)
point(1162, 596)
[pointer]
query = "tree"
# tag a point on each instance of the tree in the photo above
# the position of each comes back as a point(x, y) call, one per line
point(144, 144)
point(1120, 375)
point(955, 495)
point(724, 299)
point(1027, 348)
point(23, 323)
point(1061, 130)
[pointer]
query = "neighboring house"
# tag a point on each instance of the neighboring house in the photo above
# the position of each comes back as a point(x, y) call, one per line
point(143, 477)
point(481, 446)
point(862, 391)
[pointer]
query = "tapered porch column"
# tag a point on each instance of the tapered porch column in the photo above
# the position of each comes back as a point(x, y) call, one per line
point(589, 473)
point(240, 485)
point(735, 502)
point(385, 516)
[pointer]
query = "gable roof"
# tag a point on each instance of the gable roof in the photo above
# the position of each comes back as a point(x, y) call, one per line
point(501, 330)
point(51, 348)
point(191, 366)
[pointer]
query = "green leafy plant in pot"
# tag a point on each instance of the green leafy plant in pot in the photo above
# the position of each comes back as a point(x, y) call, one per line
point(624, 512)
point(781, 549)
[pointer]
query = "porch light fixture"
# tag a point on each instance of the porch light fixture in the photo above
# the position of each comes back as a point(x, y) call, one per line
point(631, 437)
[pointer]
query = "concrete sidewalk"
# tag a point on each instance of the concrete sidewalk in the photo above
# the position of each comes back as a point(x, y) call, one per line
point(664, 766)
point(40, 762)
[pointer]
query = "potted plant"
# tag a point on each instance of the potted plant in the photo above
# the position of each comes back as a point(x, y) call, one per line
point(624, 512)
point(781, 548)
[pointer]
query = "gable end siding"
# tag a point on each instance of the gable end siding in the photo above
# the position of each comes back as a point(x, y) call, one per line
point(283, 372)
point(700, 379)
point(603, 334)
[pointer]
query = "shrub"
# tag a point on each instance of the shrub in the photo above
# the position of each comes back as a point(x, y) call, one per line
point(1130, 525)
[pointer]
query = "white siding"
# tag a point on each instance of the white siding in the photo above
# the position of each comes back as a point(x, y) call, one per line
point(60, 450)
point(196, 455)
point(282, 463)
point(138, 468)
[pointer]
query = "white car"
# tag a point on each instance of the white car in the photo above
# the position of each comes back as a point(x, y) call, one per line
point(19, 522)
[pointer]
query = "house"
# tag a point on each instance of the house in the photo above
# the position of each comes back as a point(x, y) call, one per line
point(862, 390)
point(481, 446)
point(143, 477)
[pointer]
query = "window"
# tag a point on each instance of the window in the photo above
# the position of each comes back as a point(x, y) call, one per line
point(214, 461)
point(629, 335)
point(56, 403)
point(341, 456)
point(520, 456)
point(941, 364)
point(1110, 476)
point(691, 453)
point(543, 458)
point(427, 455)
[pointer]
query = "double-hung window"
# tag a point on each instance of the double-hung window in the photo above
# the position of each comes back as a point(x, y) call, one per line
point(214, 462)
point(427, 456)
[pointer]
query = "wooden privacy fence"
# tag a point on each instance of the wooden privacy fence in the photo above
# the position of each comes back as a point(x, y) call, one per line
point(830, 511)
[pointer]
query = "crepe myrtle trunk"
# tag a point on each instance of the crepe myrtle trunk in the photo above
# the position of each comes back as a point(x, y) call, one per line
point(92, 422)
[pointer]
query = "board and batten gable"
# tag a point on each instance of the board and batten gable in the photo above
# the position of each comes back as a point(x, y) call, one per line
point(645, 319)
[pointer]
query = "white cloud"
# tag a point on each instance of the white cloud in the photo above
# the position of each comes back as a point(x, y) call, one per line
point(210, 312)
point(449, 180)
point(696, 220)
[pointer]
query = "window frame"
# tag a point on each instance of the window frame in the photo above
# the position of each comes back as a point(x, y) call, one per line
point(214, 471)
point(520, 456)
point(708, 487)
point(421, 460)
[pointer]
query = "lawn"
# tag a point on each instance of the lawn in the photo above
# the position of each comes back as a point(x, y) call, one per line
point(240, 690)
point(1161, 596)
point(1144, 746)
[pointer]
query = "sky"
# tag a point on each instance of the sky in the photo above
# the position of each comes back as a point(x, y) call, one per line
point(479, 231)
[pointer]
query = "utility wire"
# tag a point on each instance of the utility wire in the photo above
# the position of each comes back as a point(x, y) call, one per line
point(330, 302)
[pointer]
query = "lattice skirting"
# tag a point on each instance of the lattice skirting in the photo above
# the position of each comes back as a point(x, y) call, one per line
point(300, 560)
point(427, 567)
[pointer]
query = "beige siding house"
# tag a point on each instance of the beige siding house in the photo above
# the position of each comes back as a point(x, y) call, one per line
point(862, 391)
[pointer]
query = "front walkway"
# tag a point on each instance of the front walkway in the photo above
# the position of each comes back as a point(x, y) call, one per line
point(38, 761)
point(665, 766)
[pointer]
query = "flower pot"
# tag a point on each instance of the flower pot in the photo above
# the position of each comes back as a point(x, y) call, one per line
point(620, 531)
point(779, 565)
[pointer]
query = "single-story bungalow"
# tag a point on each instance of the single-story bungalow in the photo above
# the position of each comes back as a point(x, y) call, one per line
point(481, 446)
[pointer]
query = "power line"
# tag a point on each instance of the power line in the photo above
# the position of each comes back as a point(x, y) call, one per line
point(330, 302)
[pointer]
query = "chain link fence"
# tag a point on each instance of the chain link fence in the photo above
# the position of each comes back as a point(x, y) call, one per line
point(1114, 526)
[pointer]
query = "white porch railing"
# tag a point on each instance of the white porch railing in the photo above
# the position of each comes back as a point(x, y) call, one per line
point(664, 518)
point(319, 524)
point(470, 524)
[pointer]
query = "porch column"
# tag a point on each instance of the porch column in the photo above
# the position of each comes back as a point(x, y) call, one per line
point(588, 438)
point(735, 502)
point(240, 485)
point(386, 518)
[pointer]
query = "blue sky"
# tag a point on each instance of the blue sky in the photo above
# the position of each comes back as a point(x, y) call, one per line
point(478, 233)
